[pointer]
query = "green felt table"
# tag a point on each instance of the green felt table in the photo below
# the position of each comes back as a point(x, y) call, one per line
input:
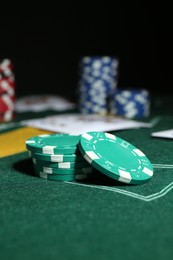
point(96, 219)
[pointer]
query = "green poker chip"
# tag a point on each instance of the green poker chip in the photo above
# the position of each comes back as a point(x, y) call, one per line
point(57, 157)
point(65, 177)
point(53, 143)
point(73, 171)
point(61, 165)
point(115, 157)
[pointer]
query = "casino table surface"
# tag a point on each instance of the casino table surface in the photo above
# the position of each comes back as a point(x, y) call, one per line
point(94, 219)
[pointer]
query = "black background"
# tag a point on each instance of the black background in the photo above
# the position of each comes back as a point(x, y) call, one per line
point(46, 49)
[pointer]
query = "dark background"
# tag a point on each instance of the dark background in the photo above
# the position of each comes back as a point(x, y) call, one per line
point(46, 49)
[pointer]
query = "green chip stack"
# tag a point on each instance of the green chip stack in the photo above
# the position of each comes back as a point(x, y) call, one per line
point(56, 157)
point(65, 157)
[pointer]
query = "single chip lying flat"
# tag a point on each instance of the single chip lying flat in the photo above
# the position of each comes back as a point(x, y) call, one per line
point(53, 144)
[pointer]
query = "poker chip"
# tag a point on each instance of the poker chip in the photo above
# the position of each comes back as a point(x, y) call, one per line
point(61, 165)
point(105, 152)
point(50, 170)
point(115, 157)
point(6, 103)
point(97, 79)
point(7, 116)
point(7, 86)
point(47, 160)
point(7, 91)
point(65, 177)
point(6, 68)
point(130, 103)
point(57, 157)
point(53, 144)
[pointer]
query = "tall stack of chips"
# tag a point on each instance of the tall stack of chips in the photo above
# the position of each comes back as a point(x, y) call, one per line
point(7, 90)
point(97, 79)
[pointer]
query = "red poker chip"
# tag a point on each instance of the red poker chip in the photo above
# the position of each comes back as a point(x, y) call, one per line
point(7, 116)
point(6, 74)
point(2, 92)
point(7, 103)
point(6, 65)
point(9, 81)
point(7, 86)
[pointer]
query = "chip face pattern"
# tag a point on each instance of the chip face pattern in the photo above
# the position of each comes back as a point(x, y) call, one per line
point(115, 157)
point(53, 144)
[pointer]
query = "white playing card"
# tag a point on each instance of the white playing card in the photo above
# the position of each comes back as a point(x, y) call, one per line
point(79, 124)
point(163, 134)
point(38, 103)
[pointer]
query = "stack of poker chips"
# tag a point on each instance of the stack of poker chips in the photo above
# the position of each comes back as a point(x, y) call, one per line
point(130, 103)
point(97, 79)
point(98, 91)
point(56, 157)
point(7, 91)
point(63, 157)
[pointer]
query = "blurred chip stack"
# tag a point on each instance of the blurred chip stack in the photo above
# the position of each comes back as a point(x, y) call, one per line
point(97, 79)
point(130, 103)
point(7, 90)
point(99, 93)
